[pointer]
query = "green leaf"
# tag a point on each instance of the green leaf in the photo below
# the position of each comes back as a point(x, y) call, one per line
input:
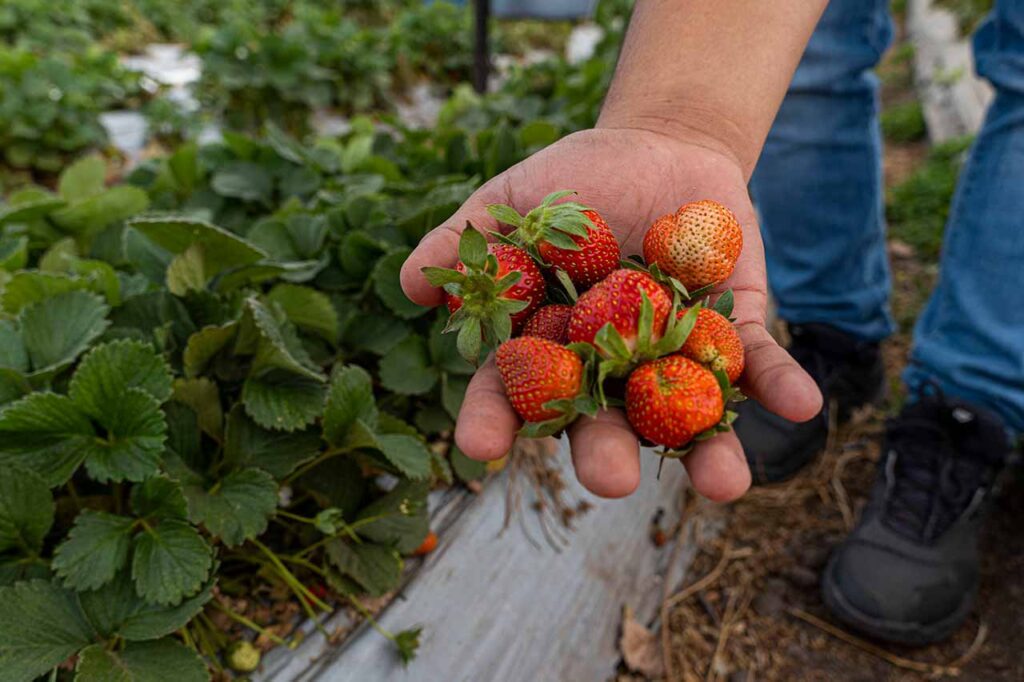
point(308, 309)
point(136, 431)
point(83, 178)
point(237, 508)
point(12, 387)
point(723, 306)
point(95, 550)
point(465, 468)
point(41, 626)
point(164, 660)
point(57, 330)
point(388, 287)
point(505, 214)
point(278, 453)
point(407, 368)
point(203, 398)
point(277, 345)
point(13, 354)
point(349, 398)
point(678, 332)
point(89, 216)
point(408, 643)
point(13, 253)
point(399, 517)
point(26, 511)
point(170, 561)
point(377, 333)
point(336, 482)
point(203, 345)
point(31, 287)
point(453, 390)
point(187, 271)
point(29, 211)
point(408, 454)
point(610, 341)
point(243, 180)
point(159, 497)
point(283, 401)
point(377, 569)
point(469, 340)
point(472, 247)
point(221, 249)
point(46, 433)
point(109, 370)
point(116, 610)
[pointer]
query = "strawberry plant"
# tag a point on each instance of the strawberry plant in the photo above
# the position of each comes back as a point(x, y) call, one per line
point(205, 375)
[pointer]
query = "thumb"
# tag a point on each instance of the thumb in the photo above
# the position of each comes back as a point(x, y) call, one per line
point(773, 378)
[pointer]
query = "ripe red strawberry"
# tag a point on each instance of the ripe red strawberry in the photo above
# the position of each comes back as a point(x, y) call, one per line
point(698, 245)
point(714, 342)
point(617, 299)
point(598, 254)
point(550, 322)
point(537, 371)
point(492, 291)
point(568, 236)
point(672, 399)
point(530, 288)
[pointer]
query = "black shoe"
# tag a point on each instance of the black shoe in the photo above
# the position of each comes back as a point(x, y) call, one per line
point(849, 373)
point(909, 572)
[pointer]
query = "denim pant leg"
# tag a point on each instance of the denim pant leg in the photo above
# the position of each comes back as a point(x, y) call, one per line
point(970, 339)
point(818, 183)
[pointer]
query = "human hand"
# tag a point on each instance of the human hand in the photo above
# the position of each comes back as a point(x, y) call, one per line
point(631, 177)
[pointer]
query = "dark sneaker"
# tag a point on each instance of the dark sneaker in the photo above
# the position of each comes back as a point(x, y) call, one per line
point(909, 572)
point(849, 373)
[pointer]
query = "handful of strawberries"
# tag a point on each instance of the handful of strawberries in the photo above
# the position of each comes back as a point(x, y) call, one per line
point(576, 328)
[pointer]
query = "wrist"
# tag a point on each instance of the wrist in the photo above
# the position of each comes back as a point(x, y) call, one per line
point(688, 123)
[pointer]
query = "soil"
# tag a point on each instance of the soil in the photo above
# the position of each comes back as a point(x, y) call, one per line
point(753, 609)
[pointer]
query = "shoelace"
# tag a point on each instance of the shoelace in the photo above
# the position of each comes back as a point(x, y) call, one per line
point(931, 485)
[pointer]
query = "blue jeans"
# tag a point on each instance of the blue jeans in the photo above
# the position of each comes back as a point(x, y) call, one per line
point(818, 188)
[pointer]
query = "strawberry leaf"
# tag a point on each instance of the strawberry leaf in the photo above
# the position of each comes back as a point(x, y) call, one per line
point(203, 397)
point(41, 626)
point(96, 548)
point(375, 568)
point(221, 249)
point(349, 399)
point(237, 507)
point(308, 309)
point(171, 561)
point(26, 511)
point(134, 441)
point(59, 329)
point(398, 518)
point(407, 369)
point(723, 306)
point(282, 400)
point(163, 660)
point(388, 287)
point(472, 248)
point(111, 369)
point(159, 497)
point(505, 214)
point(46, 433)
point(204, 345)
point(247, 444)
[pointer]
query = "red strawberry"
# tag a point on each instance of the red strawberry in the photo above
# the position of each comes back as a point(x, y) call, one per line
point(698, 245)
point(714, 342)
point(492, 291)
point(568, 236)
point(550, 322)
point(537, 371)
point(530, 288)
point(598, 254)
point(617, 299)
point(672, 399)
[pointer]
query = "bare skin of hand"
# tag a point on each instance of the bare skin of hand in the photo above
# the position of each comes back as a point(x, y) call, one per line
point(631, 177)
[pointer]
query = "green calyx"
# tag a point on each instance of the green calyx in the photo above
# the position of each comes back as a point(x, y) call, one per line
point(549, 222)
point(484, 320)
point(677, 287)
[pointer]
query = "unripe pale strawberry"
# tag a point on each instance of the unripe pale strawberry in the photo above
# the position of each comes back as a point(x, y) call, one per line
point(673, 399)
point(698, 245)
point(714, 343)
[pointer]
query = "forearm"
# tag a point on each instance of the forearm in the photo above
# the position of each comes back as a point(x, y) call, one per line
point(714, 70)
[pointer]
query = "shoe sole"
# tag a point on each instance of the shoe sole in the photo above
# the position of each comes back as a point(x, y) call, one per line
point(896, 632)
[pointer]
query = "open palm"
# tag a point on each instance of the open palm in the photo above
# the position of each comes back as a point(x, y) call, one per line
point(631, 177)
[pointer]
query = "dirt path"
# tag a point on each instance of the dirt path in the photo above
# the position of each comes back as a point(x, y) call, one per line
point(758, 613)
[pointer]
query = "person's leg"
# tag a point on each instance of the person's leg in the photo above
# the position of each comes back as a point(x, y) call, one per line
point(818, 183)
point(970, 338)
point(909, 571)
point(818, 189)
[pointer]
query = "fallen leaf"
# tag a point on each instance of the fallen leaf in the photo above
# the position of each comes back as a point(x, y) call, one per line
point(641, 650)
